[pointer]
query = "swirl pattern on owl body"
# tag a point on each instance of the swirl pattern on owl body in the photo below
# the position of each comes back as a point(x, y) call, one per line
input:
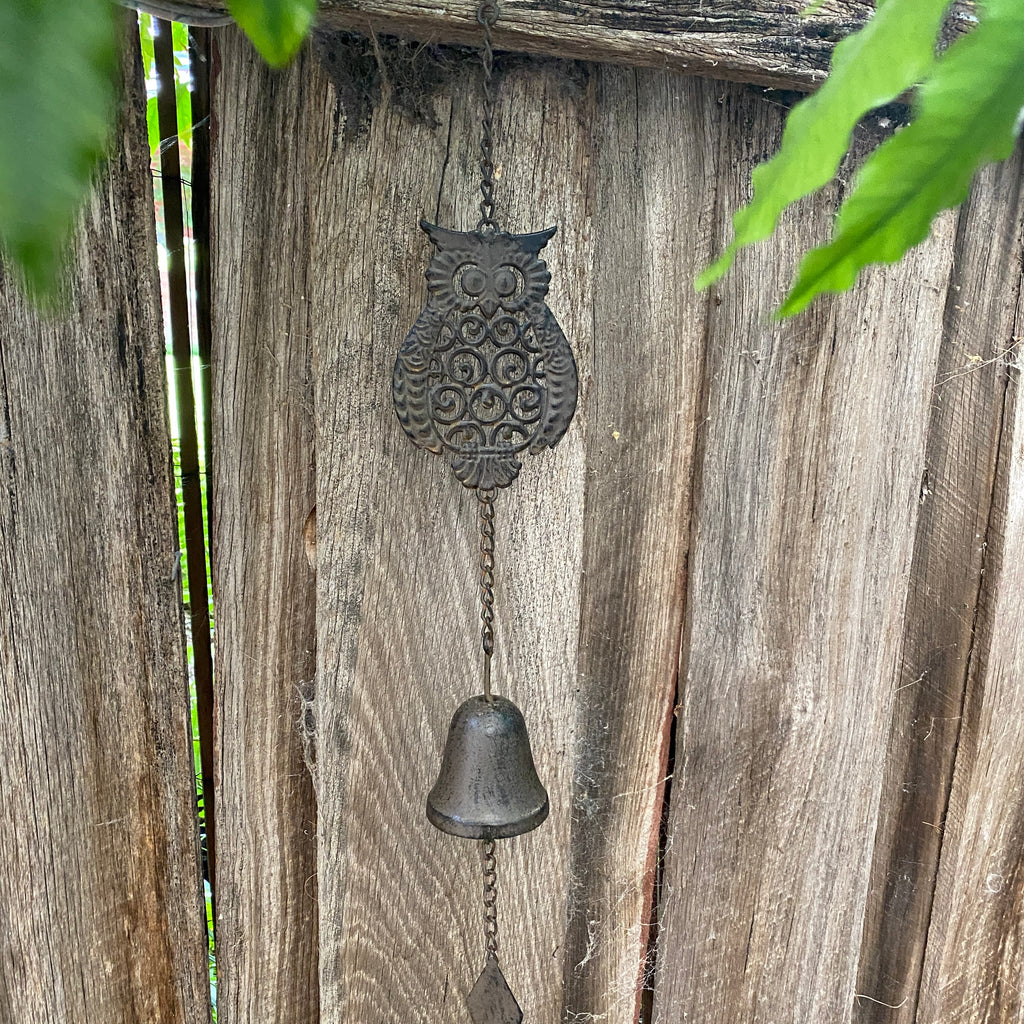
point(486, 372)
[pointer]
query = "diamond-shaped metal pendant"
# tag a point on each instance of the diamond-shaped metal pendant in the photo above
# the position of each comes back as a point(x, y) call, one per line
point(491, 1001)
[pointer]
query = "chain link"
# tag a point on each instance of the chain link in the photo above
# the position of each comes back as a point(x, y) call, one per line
point(487, 15)
point(487, 848)
point(486, 498)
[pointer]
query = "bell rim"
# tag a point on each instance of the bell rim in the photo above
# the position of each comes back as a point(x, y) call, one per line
point(484, 830)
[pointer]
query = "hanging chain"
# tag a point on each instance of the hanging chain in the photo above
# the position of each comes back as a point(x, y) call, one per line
point(487, 15)
point(487, 847)
point(486, 499)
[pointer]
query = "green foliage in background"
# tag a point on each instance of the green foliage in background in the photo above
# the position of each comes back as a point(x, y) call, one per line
point(58, 64)
point(57, 71)
point(57, 89)
point(868, 71)
point(276, 27)
point(196, 758)
point(966, 114)
point(182, 96)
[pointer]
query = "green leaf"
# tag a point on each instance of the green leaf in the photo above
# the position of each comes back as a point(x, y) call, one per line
point(146, 42)
point(57, 67)
point(183, 105)
point(179, 36)
point(892, 52)
point(153, 126)
point(182, 81)
point(149, 71)
point(276, 27)
point(968, 114)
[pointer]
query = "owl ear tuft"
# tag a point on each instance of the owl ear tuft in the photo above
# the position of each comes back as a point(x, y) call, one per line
point(443, 238)
point(535, 240)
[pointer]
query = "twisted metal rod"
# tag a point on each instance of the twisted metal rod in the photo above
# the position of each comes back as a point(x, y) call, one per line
point(486, 500)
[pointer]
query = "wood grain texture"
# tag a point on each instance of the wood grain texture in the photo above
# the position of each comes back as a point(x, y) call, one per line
point(765, 42)
point(806, 497)
point(974, 961)
point(651, 221)
point(583, 652)
point(401, 918)
point(739, 503)
point(945, 580)
point(264, 489)
point(101, 914)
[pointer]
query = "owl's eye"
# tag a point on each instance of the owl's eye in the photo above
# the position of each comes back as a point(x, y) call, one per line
point(505, 282)
point(508, 281)
point(473, 281)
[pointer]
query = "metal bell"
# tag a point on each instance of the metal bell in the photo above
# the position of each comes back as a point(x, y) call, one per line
point(487, 787)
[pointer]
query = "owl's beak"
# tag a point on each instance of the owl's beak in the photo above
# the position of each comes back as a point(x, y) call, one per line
point(488, 307)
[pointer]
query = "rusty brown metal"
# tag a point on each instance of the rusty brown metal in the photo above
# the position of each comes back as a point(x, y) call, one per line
point(485, 373)
point(491, 1001)
point(487, 787)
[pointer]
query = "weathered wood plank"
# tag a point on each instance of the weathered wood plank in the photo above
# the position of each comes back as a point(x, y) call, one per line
point(767, 42)
point(264, 588)
point(101, 915)
point(806, 496)
point(652, 225)
point(401, 924)
point(811, 442)
point(974, 962)
point(400, 919)
point(949, 552)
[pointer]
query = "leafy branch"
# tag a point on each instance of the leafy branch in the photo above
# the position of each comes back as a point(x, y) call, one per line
point(967, 113)
point(58, 64)
point(57, 94)
point(57, 97)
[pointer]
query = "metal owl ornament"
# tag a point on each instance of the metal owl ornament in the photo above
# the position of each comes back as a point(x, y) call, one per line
point(485, 376)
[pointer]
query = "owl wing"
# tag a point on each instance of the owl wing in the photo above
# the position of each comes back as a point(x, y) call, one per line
point(409, 382)
point(560, 379)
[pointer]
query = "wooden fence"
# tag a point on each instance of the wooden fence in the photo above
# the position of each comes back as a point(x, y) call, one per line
point(762, 606)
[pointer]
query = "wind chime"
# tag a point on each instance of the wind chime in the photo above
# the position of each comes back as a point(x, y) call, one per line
point(484, 375)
